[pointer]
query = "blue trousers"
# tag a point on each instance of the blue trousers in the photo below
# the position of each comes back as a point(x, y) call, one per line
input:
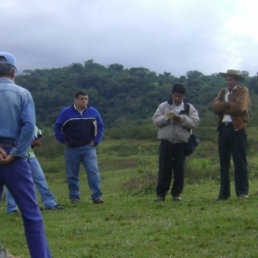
point(17, 178)
point(87, 155)
point(1, 191)
point(39, 179)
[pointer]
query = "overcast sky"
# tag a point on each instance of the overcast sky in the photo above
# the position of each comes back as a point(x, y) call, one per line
point(173, 36)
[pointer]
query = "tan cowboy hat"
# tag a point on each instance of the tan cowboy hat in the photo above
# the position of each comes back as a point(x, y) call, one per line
point(234, 74)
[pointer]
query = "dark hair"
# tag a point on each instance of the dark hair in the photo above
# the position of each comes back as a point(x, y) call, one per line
point(178, 88)
point(6, 70)
point(80, 93)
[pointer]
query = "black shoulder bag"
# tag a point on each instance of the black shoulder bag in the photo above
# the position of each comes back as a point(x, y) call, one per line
point(193, 140)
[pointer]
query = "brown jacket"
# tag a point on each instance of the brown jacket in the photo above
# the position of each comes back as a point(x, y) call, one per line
point(236, 107)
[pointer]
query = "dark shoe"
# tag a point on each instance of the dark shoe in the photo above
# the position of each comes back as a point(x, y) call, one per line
point(177, 198)
point(75, 201)
point(243, 197)
point(159, 199)
point(221, 198)
point(98, 201)
point(56, 207)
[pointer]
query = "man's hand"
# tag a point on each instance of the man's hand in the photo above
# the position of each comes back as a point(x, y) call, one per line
point(92, 143)
point(6, 159)
point(173, 116)
point(35, 143)
point(3, 154)
point(177, 119)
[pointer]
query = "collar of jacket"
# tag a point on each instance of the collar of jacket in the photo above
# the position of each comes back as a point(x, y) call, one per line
point(233, 89)
point(170, 102)
point(72, 106)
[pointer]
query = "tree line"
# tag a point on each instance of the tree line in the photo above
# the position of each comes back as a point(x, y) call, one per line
point(124, 97)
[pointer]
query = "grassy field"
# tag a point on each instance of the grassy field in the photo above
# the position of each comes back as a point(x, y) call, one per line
point(129, 223)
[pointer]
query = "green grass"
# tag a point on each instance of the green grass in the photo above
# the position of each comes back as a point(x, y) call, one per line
point(129, 223)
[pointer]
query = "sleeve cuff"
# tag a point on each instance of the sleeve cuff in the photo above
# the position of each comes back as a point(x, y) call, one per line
point(14, 153)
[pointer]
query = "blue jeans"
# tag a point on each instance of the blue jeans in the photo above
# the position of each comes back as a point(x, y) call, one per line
point(17, 177)
point(1, 191)
point(47, 198)
point(88, 156)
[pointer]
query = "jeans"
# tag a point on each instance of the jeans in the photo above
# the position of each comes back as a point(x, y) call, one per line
point(47, 198)
point(1, 191)
point(88, 156)
point(17, 177)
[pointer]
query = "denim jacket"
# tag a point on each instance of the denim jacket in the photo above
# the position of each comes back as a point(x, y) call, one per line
point(17, 116)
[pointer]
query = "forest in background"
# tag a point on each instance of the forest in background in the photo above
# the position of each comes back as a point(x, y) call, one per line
point(124, 97)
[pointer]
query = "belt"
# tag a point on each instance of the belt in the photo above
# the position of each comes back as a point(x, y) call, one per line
point(8, 145)
point(227, 123)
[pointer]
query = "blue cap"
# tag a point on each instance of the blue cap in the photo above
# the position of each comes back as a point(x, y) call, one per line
point(9, 59)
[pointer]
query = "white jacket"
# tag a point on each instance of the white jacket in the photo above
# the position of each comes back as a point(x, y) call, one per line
point(171, 131)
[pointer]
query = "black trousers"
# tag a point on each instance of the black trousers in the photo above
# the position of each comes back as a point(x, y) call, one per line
point(232, 142)
point(171, 157)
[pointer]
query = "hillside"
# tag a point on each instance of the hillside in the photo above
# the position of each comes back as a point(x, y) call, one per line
point(123, 96)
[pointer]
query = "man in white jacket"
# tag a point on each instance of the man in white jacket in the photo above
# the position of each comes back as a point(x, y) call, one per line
point(175, 119)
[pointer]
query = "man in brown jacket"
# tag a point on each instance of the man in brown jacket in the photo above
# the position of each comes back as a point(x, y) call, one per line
point(231, 105)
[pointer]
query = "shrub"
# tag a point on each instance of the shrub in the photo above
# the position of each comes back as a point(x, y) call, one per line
point(147, 180)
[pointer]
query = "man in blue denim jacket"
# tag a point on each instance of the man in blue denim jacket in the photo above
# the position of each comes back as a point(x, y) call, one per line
point(17, 120)
point(80, 128)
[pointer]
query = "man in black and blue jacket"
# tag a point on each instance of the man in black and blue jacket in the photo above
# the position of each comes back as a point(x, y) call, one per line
point(80, 128)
